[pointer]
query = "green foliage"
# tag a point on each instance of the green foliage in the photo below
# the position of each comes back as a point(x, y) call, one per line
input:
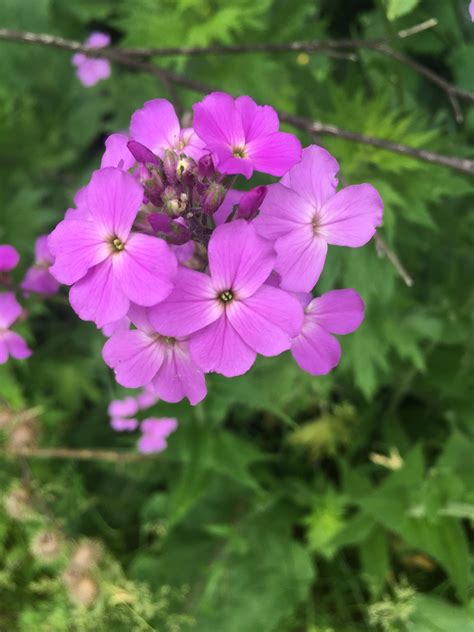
point(285, 502)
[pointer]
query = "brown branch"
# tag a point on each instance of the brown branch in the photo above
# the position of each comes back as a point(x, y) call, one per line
point(122, 57)
point(114, 456)
point(384, 251)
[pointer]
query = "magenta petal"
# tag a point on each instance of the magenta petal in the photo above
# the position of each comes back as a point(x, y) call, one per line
point(338, 311)
point(119, 424)
point(191, 305)
point(113, 198)
point(315, 350)
point(180, 377)
point(155, 432)
point(42, 252)
point(92, 70)
point(220, 349)
point(123, 407)
point(76, 246)
point(225, 209)
point(351, 216)
point(135, 357)
point(282, 211)
point(9, 258)
point(257, 120)
point(217, 122)
point(231, 165)
point(97, 40)
point(117, 153)
point(268, 320)
point(10, 309)
point(98, 296)
point(239, 259)
point(274, 154)
point(16, 345)
point(314, 178)
point(156, 126)
point(39, 280)
point(300, 259)
point(145, 269)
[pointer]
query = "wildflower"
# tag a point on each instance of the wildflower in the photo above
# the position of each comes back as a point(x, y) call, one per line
point(9, 258)
point(154, 434)
point(47, 545)
point(122, 413)
point(91, 70)
point(106, 263)
point(315, 349)
point(243, 136)
point(232, 314)
point(38, 278)
point(303, 214)
point(11, 343)
point(142, 356)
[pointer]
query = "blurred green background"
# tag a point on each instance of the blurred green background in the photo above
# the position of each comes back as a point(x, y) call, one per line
point(285, 503)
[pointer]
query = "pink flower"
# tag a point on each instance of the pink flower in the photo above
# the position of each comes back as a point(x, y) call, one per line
point(38, 278)
point(243, 136)
point(142, 356)
point(107, 265)
point(232, 314)
point(154, 434)
point(9, 258)
point(91, 70)
point(303, 214)
point(10, 342)
point(471, 10)
point(157, 127)
point(121, 412)
point(337, 312)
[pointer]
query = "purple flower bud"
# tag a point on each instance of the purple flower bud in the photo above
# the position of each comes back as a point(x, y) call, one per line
point(170, 165)
point(206, 167)
point(174, 202)
point(142, 154)
point(186, 170)
point(251, 202)
point(175, 230)
point(213, 197)
point(160, 223)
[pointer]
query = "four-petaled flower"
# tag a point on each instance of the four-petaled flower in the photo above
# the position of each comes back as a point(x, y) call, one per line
point(91, 70)
point(11, 343)
point(38, 278)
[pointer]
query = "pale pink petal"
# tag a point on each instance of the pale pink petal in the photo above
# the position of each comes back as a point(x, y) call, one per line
point(338, 311)
point(239, 260)
point(16, 345)
point(314, 178)
point(257, 120)
point(179, 377)
point(76, 246)
point(351, 216)
point(300, 259)
point(9, 258)
point(274, 154)
point(191, 305)
point(268, 320)
point(117, 153)
point(315, 350)
point(10, 309)
point(135, 357)
point(156, 126)
point(146, 269)
point(282, 211)
point(113, 198)
point(219, 348)
point(98, 296)
point(123, 407)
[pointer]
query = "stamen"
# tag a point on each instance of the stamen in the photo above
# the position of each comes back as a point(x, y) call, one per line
point(239, 152)
point(226, 296)
point(118, 244)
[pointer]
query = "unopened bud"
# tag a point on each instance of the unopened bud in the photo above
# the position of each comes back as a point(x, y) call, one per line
point(186, 170)
point(213, 197)
point(206, 167)
point(142, 154)
point(18, 504)
point(170, 166)
point(47, 545)
point(250, 203)
point(174, 203)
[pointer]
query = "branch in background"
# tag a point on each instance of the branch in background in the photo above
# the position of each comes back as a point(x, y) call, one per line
point(114, 456)
point(384, 251)
point(129, 59)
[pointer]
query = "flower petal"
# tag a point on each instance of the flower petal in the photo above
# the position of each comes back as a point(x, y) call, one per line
point(315, 350)
point(314, 178)
point(117, 153)
point(351, 216)
point(9, 258)
point(338, 311)
point(268, 320)
point(39, 280)
point(146, 269)
point(274, 154)
point(282, 211)
point(300, 259)
point(98, 296)
point(180, 377)
point(220, 349)
point(218, 122)
point(156, 126)
point(257, 120)
point(135, 357)
point(16, 345)
point(10, 309)
point(239, 259)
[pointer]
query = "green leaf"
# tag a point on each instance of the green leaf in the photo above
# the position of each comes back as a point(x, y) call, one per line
point(396, 8)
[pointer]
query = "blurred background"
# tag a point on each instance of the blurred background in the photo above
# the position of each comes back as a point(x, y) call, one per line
point(284, 502)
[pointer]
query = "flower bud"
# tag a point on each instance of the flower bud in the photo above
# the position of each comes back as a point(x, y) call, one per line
point(47, 545)
point(142, 154)
point(206, 167)
point(170, 166)
point(186, 170)
point(174, 203)
point(18, 504)
point(250, 203)
point(213, 197)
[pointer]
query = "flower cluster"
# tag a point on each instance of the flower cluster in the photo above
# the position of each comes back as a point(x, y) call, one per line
point(91, 70)
point(188, 275)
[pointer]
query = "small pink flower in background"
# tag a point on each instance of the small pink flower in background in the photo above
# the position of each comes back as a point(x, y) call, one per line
point(121, 412)
point(243, 136)
point(232, 314)
point(303, 214)
point(107, 264)
point(471, 10)
point(38, 278)
point(155, 431)
point(91, 70)
point(315, 349)
point(142, 357)
point(11, 344)
point(9, 258)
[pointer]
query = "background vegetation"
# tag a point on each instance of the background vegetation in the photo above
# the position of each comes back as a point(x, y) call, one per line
point(285, 503)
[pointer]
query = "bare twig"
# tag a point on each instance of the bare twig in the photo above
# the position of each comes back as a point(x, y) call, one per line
point(115, 456)
point(123, 57)
point(384, 251)
point(418, 28)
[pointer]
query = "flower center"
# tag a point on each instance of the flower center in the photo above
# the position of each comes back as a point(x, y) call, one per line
point(118, 244)
point(315, 224)
point(239, 152)
point(226, 296)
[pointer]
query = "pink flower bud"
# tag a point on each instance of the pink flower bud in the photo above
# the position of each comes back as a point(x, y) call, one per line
point(213, 197)
point(251, 202)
